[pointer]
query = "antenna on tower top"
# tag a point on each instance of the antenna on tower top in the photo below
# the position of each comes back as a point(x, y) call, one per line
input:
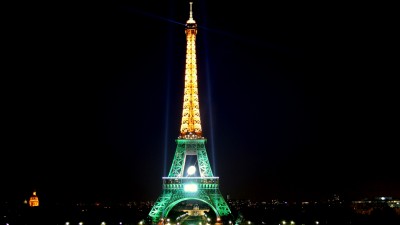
point(191, 20)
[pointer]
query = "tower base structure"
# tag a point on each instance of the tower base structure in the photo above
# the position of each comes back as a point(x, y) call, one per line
point(204, 188)
point(178, 189)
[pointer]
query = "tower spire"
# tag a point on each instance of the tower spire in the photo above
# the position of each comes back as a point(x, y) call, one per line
point(191, 122)
point(190, 20)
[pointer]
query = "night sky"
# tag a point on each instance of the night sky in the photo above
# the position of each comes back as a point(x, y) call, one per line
point(297, 100)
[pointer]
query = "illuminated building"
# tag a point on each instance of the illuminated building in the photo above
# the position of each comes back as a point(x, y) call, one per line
point(34, 200)
point(190, 176)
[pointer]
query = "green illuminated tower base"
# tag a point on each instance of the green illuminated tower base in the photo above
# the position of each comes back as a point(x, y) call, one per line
point(178, 188)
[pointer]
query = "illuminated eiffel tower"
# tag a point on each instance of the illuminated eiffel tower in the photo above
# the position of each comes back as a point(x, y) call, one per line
point(187, 180)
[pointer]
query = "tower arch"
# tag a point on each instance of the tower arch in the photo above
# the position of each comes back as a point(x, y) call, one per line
point(173, 204)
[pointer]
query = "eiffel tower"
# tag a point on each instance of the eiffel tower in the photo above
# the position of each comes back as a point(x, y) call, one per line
point(190, 179)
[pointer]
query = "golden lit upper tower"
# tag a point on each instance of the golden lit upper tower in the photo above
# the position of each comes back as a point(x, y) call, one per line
point(34, 200)
point(191, 123)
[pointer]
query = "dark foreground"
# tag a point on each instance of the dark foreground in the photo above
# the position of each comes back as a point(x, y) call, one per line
point(245, 213)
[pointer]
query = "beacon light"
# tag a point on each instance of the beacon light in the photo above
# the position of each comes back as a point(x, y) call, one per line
point(190, 187)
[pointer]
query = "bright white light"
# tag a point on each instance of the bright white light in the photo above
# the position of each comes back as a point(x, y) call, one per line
point(191, 170)
point(190, 188)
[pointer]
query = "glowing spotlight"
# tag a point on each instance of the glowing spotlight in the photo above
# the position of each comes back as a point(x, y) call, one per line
point(191, 170)
point(190, 187)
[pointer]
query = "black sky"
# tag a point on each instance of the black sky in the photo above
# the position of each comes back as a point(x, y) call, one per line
point(297, 100)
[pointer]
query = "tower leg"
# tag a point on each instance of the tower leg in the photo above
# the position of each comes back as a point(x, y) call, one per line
point(156, 213)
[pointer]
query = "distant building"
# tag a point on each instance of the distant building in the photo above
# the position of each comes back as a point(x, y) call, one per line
point(367, 206)
point(196, 211)
point(34, 200)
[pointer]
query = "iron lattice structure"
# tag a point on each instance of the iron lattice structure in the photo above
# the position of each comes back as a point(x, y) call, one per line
point(180, 185)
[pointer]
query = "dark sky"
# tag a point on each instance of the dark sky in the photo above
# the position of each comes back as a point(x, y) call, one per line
point(298, 100)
